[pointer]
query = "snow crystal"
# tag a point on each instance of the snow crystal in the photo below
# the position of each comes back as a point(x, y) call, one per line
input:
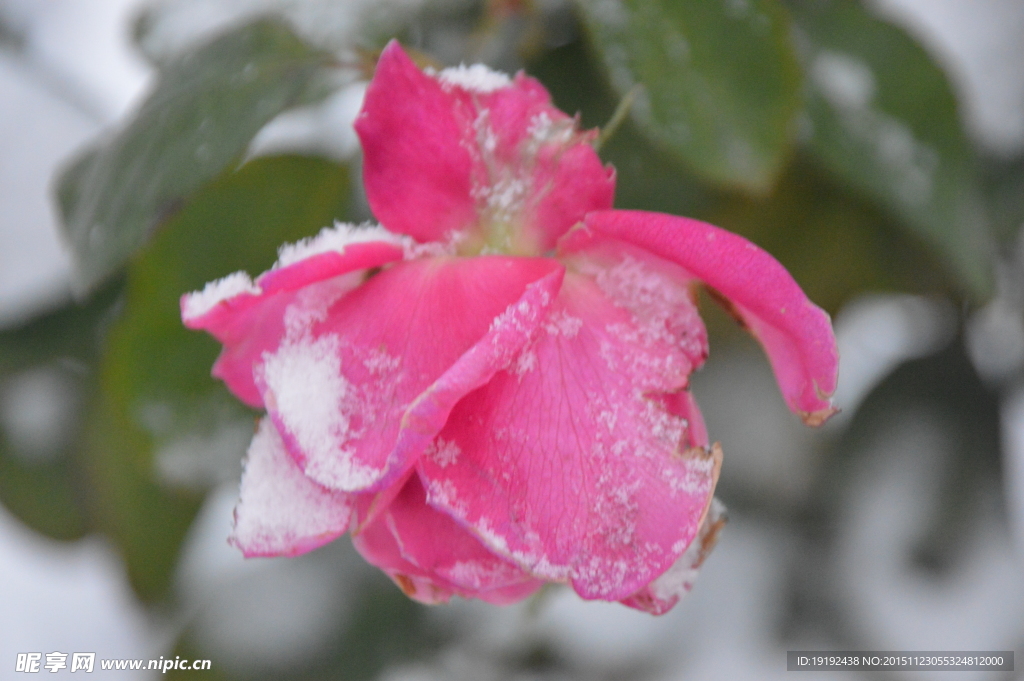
point(504, 198)
point(519, 312)
point(544, 130)
point(311, 305)
point(443, 452)
point(561, 323)
point(474, 78)
point(444, 493)
point(608, 418)
point(318, 407)
point(199, 303)
point(279, 507)
point(662, 309)
point(475, 574)
point(485, 135)
point(335, 238)
point(525, 363)
point(432, 249)
point(378, 362)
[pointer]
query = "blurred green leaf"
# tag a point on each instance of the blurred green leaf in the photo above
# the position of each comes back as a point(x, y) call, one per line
point(835, 244)
point(164, 429)
point(883, 117)
point(50, 356)
point(721, 80)
point(205, 109)
point(647, 177)
point(1004, 191)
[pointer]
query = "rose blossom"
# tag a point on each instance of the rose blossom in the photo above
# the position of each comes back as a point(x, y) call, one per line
point(490, 391)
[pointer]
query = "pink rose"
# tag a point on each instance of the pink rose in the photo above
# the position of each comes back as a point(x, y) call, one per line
point(490, 391)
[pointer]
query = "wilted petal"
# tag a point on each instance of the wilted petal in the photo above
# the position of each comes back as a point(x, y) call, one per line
point(796, 334)
point(663, 593)
point(569, 463)
point(348, 368)
point(281, 512)
point(430, 556)
point(467, 149)
point(248, 317)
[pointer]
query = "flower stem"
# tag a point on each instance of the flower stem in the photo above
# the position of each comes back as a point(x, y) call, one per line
point(621, 111)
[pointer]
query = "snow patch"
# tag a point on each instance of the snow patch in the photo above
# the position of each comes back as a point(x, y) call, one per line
point(320, 408)
point(336, 239)
point(525, 363)
point(444, 452)
point(474, 78)
point(545, 130)
point(378, 362)
point(199, 303)
point(311, 305)
point(280, 508)
point(561, 323)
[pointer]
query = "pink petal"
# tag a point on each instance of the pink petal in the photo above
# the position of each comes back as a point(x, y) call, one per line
point(467, 149)
point(796, 334)
point(540, 174)
point(503, 343)
point(248, 318)
point(380, 548)
point(569, 463)
point(280, 511)
point(431, 557)
point(416, 171)
point(350, 365)
point(663, 593)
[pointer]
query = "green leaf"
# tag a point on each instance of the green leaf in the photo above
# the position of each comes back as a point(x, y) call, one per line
point(206, 108)
point(883, 118)
point(721, 80)
point(165, 430)
point(47, 368)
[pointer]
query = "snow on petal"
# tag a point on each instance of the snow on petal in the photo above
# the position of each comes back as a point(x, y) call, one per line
point(431, 546)
point(280, 510)
point(796, 334)
point(504, 342)
point(335, 239)
point(537, 175)
point(474, 78)
point(663, 593)
point(248, 318)
point(578, 471)
point(468, 151)
point(198, 303)
point(339, 384)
